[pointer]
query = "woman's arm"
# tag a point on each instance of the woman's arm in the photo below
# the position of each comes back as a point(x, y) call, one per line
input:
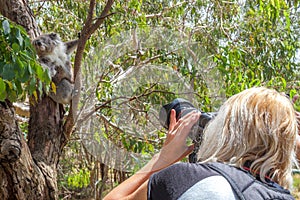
point(173, 150)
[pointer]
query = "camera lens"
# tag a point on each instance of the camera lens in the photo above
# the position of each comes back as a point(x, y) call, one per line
point(181, 106)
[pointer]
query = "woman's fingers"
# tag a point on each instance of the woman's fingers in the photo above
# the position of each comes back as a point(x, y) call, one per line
point(170, 134)
point(172, 120)
point(177, 137)
point(186, 123)
point(186, 119)
point(179, 131)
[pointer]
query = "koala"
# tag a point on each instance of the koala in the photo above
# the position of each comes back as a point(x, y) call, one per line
point(55, 56)
point(64, 92)
point(64, 87)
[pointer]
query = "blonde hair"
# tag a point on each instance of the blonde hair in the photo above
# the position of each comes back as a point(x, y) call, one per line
point(257, 126)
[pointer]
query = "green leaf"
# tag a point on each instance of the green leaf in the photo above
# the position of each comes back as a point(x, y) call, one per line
point(20, 67)
point(12, 95)
point(2, 90)
point(40, 87)
point(283, 82)
point(24, 77)
point(19, 87)
point(1, 67)
point(8, 72)
point(32, 85)
point(19, 37)
point(40, 72)
point(15, 47)
point(6, 27)
point(30, 70)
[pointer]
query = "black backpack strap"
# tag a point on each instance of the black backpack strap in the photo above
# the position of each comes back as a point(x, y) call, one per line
point(246, 186)
point(231, 176)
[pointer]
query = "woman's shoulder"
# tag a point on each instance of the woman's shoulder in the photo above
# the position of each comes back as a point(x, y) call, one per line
point(185, 170)
point(187, 180)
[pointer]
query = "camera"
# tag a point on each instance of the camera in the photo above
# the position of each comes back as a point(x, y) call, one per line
point(182, 108)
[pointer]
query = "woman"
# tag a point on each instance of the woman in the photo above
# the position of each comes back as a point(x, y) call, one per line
point(252, 139)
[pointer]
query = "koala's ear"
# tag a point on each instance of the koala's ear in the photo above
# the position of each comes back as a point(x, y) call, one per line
point(53, 36)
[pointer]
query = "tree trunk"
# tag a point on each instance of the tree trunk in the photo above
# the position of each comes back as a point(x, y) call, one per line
point(19, 12)
point(21, 177)
point(28, 169)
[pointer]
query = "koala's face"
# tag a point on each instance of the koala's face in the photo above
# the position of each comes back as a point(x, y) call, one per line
point(45, 44)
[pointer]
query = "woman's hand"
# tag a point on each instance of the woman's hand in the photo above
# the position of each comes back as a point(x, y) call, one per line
point(175, 147)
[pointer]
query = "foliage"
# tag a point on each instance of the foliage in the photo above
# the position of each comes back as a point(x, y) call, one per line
point(79, 179)
point(20, 73)
point(296, 186)
point(262, 51)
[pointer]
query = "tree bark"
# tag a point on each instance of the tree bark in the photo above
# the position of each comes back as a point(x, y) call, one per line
point(19, 12)
point(20, 176)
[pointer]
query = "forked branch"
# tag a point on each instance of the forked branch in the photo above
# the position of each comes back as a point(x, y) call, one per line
point(88, 29)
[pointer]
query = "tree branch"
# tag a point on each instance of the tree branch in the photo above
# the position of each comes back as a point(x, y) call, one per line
point(87, 31)
point(103, 15)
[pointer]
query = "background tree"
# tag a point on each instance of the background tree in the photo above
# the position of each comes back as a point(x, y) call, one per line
point(143, 55)
point(29, 168)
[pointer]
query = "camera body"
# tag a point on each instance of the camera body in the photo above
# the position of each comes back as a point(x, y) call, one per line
point(182, 108)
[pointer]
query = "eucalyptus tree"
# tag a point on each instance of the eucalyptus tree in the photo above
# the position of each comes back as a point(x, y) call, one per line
point(138, 55)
